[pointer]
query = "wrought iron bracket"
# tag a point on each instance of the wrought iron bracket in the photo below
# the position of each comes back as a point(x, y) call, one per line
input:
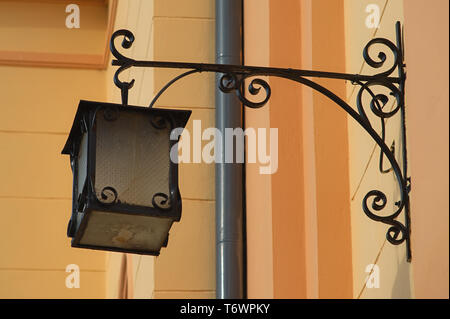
point(390, 88)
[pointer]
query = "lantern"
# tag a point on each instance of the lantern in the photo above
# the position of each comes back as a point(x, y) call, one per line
point(125, 185)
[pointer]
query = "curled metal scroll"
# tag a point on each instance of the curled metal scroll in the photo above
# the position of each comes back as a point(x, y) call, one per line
point(229, 82)
point(378, 103)
point(108, 196)
point(161, 201)
point(124, 62)
point(161, 122)
point(111, 113)
point(382, 57)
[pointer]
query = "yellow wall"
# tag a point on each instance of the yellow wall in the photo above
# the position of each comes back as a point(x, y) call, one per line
point(331, 154)
point(288, 229)
point(42, 24)
point(170, 30)
point(184, 31)
point(36, 113)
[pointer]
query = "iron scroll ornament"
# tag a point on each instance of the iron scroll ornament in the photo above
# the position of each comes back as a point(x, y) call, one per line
point(232, 79)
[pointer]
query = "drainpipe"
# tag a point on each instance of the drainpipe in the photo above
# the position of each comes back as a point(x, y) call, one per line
point(229, 176)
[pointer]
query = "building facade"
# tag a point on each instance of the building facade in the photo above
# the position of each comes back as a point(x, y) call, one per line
point(306, 233)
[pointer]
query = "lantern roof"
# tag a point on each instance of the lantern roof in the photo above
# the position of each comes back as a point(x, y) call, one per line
point(180, 117)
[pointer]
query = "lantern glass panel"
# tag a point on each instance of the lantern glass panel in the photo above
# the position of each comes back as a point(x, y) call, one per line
point(132, 157)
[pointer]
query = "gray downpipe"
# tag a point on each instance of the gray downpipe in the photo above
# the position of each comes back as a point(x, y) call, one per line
point(229, 176)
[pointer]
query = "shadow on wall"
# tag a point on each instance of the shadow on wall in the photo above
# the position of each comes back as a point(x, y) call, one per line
point(401, 289)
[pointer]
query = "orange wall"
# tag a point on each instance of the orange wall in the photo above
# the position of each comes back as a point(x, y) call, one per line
point(427, 104)
point(331, 146)
point(288, 216)
point(301, 255)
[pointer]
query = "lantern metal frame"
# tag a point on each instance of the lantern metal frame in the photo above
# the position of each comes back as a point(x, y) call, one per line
point(233, 77)
point(108, 201)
